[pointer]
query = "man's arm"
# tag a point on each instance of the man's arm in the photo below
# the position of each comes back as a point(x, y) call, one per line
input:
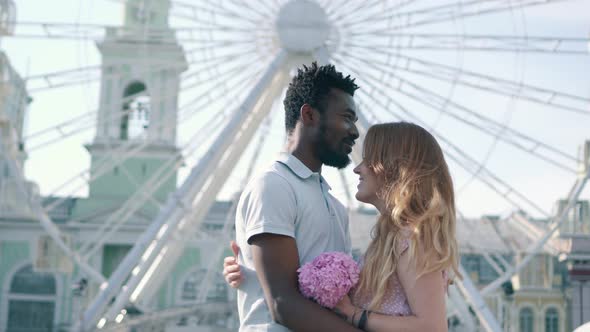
point(276, 261)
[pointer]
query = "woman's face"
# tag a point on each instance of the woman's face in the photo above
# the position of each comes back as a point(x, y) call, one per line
point(368, 185)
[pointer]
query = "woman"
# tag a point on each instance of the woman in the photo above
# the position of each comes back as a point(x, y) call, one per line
point(413, 251)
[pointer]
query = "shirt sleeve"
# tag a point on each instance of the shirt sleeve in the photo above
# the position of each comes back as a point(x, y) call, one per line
point(269, 207)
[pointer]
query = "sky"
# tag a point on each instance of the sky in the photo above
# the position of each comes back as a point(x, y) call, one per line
point(538, 181)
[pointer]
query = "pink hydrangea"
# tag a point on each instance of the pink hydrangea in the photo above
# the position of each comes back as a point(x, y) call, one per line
point(328, 278)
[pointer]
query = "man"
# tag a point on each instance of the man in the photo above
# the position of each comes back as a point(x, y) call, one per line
point(286, 216)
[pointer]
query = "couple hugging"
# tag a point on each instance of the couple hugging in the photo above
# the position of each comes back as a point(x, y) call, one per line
point(286, 217)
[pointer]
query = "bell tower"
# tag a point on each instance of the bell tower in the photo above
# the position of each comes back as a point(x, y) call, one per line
point(141, 67)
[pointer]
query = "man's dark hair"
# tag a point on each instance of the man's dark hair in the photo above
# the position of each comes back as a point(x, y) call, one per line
point(310, 86)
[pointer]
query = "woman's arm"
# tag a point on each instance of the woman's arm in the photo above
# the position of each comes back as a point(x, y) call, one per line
point(426, 296)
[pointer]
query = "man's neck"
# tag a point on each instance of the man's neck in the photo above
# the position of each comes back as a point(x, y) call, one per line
point(303, 152)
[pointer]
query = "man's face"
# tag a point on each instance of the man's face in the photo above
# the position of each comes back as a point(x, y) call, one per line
point(337, 131)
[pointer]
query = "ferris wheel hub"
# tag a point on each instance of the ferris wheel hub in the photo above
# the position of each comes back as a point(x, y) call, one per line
point(302, 26)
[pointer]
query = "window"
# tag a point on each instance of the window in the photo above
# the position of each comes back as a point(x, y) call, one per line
point(471, 264)
point(217, 289)
point(191, 285)
point(31, 301)
point(487, 273)
point(551, 320)
point(112, 256)
point(526, 320)
point(136, 107)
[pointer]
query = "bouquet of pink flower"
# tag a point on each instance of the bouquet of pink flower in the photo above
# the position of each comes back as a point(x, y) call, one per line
point(328, 278)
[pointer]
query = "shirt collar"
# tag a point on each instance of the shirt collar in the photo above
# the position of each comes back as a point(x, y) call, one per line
point(298, 167)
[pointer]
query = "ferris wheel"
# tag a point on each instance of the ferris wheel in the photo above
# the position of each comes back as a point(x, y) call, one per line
point(493, 82)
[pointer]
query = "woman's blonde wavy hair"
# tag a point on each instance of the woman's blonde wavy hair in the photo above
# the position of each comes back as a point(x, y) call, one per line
point(419, 202)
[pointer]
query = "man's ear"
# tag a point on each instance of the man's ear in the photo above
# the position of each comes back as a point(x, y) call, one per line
point(309, 115)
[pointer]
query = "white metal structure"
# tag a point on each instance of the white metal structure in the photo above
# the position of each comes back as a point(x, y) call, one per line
point(429, 62)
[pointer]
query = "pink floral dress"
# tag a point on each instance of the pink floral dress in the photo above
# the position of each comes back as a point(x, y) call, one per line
point(395, 302)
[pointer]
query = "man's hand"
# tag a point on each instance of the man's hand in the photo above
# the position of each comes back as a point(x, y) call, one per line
point(276, 260)
point(231, 269)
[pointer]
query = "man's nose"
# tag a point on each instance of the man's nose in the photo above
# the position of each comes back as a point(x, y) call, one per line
point(354, 132)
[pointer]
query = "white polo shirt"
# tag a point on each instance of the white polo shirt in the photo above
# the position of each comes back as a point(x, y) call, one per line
point(287, 199)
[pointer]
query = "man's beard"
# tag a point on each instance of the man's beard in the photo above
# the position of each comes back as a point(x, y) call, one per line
point(327, 155)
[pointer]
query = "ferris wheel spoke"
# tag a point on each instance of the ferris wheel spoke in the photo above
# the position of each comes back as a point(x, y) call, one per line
point(351, 8)
point(205, 48)
point(213, 65)
point(62, 78)
point(387, 40)
point(243, 6)
point(493, 128)
point(60, 127)
point(555, 99)
point(333, 6)
point(272, 7)
point(530, 230)
point(71, 77)
point(508, 88)
point(485, 125)
point(195, 12)
point(446, 13)
point(266, 10)
point(377, 8)
point(95, 32)
point(60, 31)
point(474, 119)
point(212, 8)
point(216, 79)
point(197, 57)
point(189, 37)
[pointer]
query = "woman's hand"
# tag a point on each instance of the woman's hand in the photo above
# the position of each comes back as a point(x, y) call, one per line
point(345, 309)
point(231, 268)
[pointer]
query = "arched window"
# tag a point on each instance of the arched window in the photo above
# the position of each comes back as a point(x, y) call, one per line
point(190, 287)
point(31, 301)
point(136, 107)
point(526, 319)
point(551, 320)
